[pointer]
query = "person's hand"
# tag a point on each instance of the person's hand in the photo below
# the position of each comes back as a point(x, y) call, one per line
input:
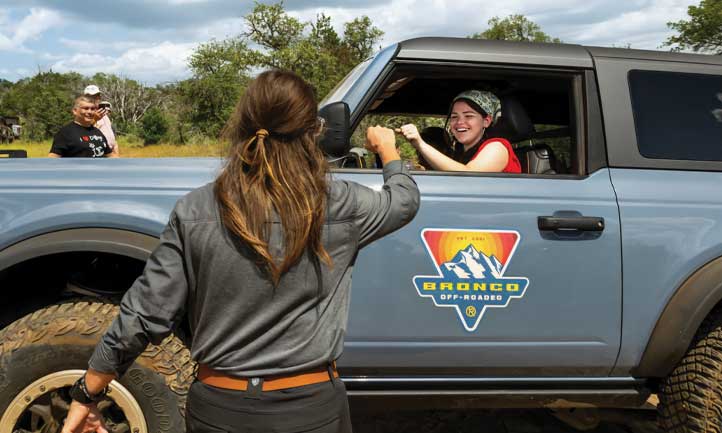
point(84, 418)
point(410, 133)
point(100, 113)
point(380, 139)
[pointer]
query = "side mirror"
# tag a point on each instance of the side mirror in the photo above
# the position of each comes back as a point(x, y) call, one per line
point(336, 139)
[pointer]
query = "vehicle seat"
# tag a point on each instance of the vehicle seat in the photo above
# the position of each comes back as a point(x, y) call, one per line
point(516, 126)
point(536, 159)
point(514, 123)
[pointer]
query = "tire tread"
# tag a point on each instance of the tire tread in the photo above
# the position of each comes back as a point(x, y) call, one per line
point(89, 320)
point(691, 396)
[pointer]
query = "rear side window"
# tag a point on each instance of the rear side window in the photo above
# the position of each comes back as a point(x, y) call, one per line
point(677, 115)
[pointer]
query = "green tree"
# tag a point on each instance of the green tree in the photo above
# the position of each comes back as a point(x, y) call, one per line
point(220, 73)
point(271, 27)
point(514, 28)
point(153, 126)
point(43, 102)
point(312, 49)
point(702, 32)
point(222, 69)
point(360, 36)
point(5, 87)
point(130, 100)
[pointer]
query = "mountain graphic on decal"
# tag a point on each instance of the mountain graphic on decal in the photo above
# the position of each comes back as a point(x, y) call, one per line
point(470, 263)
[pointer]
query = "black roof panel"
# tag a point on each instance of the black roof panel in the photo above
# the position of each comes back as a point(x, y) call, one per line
point(489, 51)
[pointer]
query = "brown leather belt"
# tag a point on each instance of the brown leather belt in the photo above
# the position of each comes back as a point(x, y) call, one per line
point(215, 378)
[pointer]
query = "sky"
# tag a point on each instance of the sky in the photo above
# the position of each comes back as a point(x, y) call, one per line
point(150, 40)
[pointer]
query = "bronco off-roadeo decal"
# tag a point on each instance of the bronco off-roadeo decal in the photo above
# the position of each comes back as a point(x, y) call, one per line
point(470, 266)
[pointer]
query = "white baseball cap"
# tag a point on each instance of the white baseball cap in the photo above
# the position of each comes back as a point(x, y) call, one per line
point(91, 90)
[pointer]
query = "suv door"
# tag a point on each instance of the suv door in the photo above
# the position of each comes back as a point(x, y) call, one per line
point(480, 283)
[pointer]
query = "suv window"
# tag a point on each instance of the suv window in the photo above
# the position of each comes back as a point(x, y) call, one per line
point(677, 115)
point(421, 94)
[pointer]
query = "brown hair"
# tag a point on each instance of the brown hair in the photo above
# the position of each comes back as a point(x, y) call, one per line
point(275, 165)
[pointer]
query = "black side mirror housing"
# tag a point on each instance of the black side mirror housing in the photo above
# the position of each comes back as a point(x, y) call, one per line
point(336, 139)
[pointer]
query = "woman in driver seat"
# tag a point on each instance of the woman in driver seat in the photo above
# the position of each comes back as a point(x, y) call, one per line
point(472, 113)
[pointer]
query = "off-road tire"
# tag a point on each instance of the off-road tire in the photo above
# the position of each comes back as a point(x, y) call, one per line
point(63, 336)
point(691, 396)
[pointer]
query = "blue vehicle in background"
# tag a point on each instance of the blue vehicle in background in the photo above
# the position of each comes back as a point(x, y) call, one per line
point(592, 279)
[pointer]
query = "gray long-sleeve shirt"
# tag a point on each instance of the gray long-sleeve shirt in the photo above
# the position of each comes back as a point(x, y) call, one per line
point(240, 323)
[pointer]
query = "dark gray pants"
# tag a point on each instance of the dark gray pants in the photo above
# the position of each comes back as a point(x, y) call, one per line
point(318, 408)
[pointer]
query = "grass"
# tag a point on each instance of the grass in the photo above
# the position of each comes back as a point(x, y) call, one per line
point(132, 148)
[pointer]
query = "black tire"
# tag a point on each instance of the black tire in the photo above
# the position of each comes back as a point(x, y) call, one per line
point(62, 338)
point(691, 396)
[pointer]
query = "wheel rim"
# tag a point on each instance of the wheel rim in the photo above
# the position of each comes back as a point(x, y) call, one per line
point(41, 407)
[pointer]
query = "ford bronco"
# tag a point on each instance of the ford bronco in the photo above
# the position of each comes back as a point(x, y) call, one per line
point(592, 280)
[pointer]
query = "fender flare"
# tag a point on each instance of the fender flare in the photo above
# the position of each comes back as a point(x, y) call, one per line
point(115, 241)
point(678, 323)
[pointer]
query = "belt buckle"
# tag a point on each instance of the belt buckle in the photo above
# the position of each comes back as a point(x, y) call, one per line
point(255, 387)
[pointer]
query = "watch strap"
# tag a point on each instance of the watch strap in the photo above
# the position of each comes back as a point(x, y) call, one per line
point(79, 392)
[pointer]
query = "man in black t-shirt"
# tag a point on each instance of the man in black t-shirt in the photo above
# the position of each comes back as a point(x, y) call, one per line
point(80, 138)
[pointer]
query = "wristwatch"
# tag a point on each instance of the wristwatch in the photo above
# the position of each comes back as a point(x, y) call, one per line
point(79, 392)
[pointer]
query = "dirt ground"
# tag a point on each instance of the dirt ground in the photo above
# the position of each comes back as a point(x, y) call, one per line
point(500, 421)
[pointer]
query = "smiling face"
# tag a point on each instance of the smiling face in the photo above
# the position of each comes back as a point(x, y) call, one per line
point(84, 112)
point(467, 125)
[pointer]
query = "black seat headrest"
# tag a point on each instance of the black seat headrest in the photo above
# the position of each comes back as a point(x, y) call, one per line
point(514, 123)
point(437, 137)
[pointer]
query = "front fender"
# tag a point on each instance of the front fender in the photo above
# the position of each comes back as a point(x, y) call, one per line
point(123, 242)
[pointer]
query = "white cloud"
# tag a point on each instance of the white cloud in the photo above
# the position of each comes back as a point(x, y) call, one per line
point(31, 27)
point(158, 63)
point(49, 56)
point(404, 19)
point(132, 49)
point(642, 28)
point(643, 23)
point(35, 24)
point(5, 43)
point(99, 46)
point(221, 29)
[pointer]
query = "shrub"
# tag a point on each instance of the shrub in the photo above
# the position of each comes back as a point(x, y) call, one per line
point(153, 126)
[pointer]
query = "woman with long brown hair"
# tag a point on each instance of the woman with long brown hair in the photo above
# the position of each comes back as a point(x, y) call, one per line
point(260, 261)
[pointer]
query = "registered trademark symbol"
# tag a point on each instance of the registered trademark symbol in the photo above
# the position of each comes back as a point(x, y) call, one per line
point(471, 311)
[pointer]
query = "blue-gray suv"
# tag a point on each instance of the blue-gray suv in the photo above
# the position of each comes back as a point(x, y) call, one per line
point(592, 279)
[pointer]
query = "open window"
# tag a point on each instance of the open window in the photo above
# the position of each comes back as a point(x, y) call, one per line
point(540, 112)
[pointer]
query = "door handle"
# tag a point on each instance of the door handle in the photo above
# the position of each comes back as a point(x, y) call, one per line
point(571, 223)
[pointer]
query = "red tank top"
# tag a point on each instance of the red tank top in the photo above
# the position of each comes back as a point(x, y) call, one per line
point(513, 165)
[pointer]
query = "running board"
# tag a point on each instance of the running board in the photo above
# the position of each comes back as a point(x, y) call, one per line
point(464, 393)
